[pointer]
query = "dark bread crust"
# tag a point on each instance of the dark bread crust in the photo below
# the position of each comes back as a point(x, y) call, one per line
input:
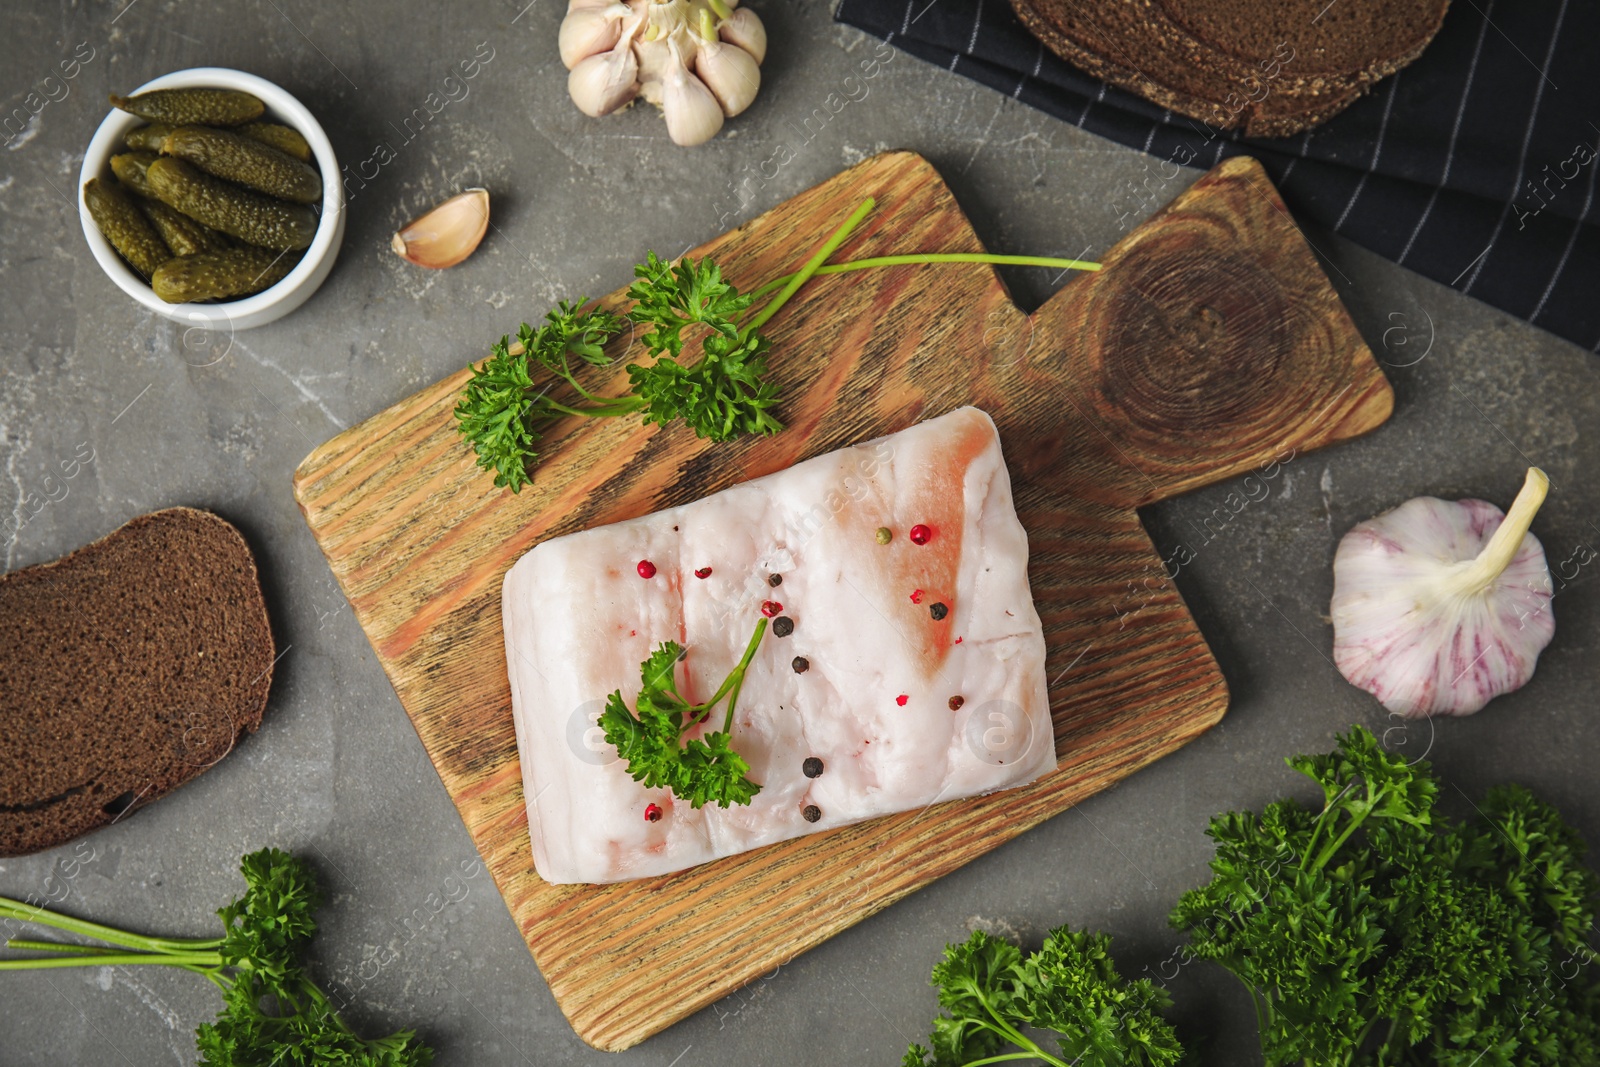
point(127, 668)
point(1226, 67)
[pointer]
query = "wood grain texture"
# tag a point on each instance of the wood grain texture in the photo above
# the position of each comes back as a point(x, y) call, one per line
point(1210, 344)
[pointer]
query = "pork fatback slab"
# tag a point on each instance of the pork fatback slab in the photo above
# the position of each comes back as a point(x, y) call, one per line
point(903, 707)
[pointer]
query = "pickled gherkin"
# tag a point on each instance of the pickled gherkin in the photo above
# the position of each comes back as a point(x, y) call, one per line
point(251, 217)
point(283, 138)
point(147, 138)
point(130, 169)
point(251, 163)
point(181, 107)
point(125, 226)
point(221, 275)
point(183, 235)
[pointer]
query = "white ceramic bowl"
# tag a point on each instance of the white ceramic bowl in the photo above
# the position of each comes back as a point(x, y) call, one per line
point(259, 308)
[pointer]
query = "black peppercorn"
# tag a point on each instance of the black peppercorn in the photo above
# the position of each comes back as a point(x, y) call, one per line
point(812, 767)
point(938, 611)
point(811, 813)
point(782, 626)
point(800, 665)
point(774, 580)
point(956, 702)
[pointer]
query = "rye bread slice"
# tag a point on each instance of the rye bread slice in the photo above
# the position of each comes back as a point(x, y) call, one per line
point(127, 668)
point(1268, 70)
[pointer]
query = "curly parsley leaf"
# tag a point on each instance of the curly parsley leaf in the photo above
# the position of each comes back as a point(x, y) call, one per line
point(649, 736)
point(994, 996)
point(1373, 931)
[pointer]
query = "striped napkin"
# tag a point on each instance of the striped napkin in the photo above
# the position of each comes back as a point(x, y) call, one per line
point(1474, 166)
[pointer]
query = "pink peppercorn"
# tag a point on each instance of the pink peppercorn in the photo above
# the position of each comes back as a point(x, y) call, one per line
point(652, 813)
point(920, 534)
point(916, 596)
point(769, 608)
point(901, 699)
point(703, 572)
point(646, 569)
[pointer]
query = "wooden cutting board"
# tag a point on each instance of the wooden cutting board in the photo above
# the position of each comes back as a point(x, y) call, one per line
point(1210, 344)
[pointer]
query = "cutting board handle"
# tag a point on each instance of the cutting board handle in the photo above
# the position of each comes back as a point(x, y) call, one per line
point(1211, 343)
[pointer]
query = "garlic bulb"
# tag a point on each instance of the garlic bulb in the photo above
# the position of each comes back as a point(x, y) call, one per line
point(446, 235)
point(687, 57)
point(1439, 606)
point(692, 112)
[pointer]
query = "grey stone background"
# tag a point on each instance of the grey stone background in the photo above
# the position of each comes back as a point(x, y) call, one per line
point(336, 772)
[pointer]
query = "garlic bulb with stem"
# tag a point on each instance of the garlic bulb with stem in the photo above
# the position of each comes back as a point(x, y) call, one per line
point(1440, 606)
point(447, 234)
point(728, 71)
point(689, 50)
point(693, 115)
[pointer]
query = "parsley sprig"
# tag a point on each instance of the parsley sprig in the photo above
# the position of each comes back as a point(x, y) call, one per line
point(1375, 931)
point(706, 357)
point(997, 1000)
point(704, 769)
point(273, 1013)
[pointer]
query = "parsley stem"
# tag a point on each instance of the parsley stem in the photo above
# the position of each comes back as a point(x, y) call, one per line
point(116, 959)
point(936, 257)
point(792, 283)
point(16, 909)
point(609, 406)
point(23, 944)
point(1001, 1058)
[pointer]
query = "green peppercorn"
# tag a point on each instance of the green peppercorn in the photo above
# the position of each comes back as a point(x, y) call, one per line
point(884, 536)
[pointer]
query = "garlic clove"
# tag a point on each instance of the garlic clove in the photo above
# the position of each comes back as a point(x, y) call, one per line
point(1440, 606)
point(588, 31)
point(692, 113)
point(744, 28)
point(446, 235)
point(730, 73)
point(601, 84)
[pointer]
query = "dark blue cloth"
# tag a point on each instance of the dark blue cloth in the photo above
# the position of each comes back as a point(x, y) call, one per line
point(1474, 166)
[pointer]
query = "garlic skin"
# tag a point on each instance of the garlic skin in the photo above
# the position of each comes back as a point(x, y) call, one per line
point(447, 234)
point(730, 73)
point(602, 83)
point(587, 31)
point(680, 55)
point(1440, 606)
point(744, 28)
point(693, 114)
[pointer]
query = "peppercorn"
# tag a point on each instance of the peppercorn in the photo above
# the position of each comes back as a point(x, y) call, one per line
point(884, 535)
point(811, 813)
point(652, 813)
point(774, 580)
point(901, 699)
point(938, 611)
point(920, 534)
point(800, 664)
point(956, 702)
point(769, 608)
point(646, 569)
point(916, 596)
point(812, 767)
point(703, 572)
point(782, 626)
